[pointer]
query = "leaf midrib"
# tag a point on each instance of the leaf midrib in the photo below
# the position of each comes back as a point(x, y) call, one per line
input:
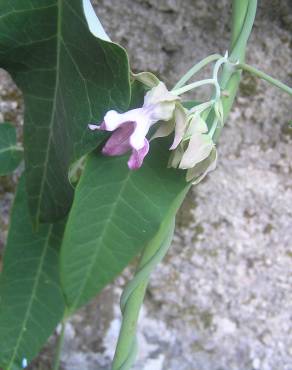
point(33, 296)
point(101, 237)
point(44, 173)
point(11, 148)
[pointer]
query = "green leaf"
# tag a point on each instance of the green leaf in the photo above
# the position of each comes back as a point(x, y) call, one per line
point(115, 213)
point(31, 300)
point(10, 152)
point(138, 90)
point(69, 78)
point(189, 104)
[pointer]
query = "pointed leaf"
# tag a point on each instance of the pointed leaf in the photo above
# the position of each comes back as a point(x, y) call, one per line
point(68, 78)
point(114, 214)
point(10, 152)
point(31, 301)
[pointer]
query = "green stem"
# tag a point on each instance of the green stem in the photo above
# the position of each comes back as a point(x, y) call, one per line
point(213, 127)
point(243, 15)
point(60, 343)
point(193, 85)
point(134, 292)
point(196, 68)
point(217, 66)
point(133, 296)
point(238, 50)
point(264, 76)
point(239, 9)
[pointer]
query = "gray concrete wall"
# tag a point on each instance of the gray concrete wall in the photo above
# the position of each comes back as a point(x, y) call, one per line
point(222, 299)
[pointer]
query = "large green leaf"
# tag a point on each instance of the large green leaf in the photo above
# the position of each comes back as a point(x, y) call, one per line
point(10, 152)
point(114, 214)
point(31, 300)
point(68, 78)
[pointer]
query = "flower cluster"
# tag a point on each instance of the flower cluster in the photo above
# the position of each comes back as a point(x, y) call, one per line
point(195, 150)
point(130, 128)
point(192, 148)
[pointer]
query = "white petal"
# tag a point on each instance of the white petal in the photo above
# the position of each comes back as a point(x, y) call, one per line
point(160, 111)
point(199, 148)
point(159, 94)
point(176, 157)
point(113, 119)
point(142, 127)
point(93, 127)
point(181, 120)
point(164, 129)
point(197, 124)
point(200, 171)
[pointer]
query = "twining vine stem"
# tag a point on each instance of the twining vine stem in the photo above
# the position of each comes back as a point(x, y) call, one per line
point(133, 295)
point(60, 343)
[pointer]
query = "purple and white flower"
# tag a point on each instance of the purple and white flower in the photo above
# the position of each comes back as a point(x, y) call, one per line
point(130, 128)
point(192, 149)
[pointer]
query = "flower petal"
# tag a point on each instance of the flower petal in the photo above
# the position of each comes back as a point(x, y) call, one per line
point(113, 119)
point(197, 124)
point(93, 127)
point(119, 142)
point(137, 138)
point(181, 120)
point(176, 157)
point(137, 156)
point(164, 129)
point(200, 171)
point(159, 94)
point(199, 148)
point(160, 112)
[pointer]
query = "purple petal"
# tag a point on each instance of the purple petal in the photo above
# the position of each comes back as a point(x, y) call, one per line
point(119, 143)
point(138, 156)
point(102, 126)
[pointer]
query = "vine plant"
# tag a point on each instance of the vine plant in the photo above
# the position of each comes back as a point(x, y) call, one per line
point(109, 157)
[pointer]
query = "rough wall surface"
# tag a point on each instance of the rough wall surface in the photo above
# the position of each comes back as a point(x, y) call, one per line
point(222, 298)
